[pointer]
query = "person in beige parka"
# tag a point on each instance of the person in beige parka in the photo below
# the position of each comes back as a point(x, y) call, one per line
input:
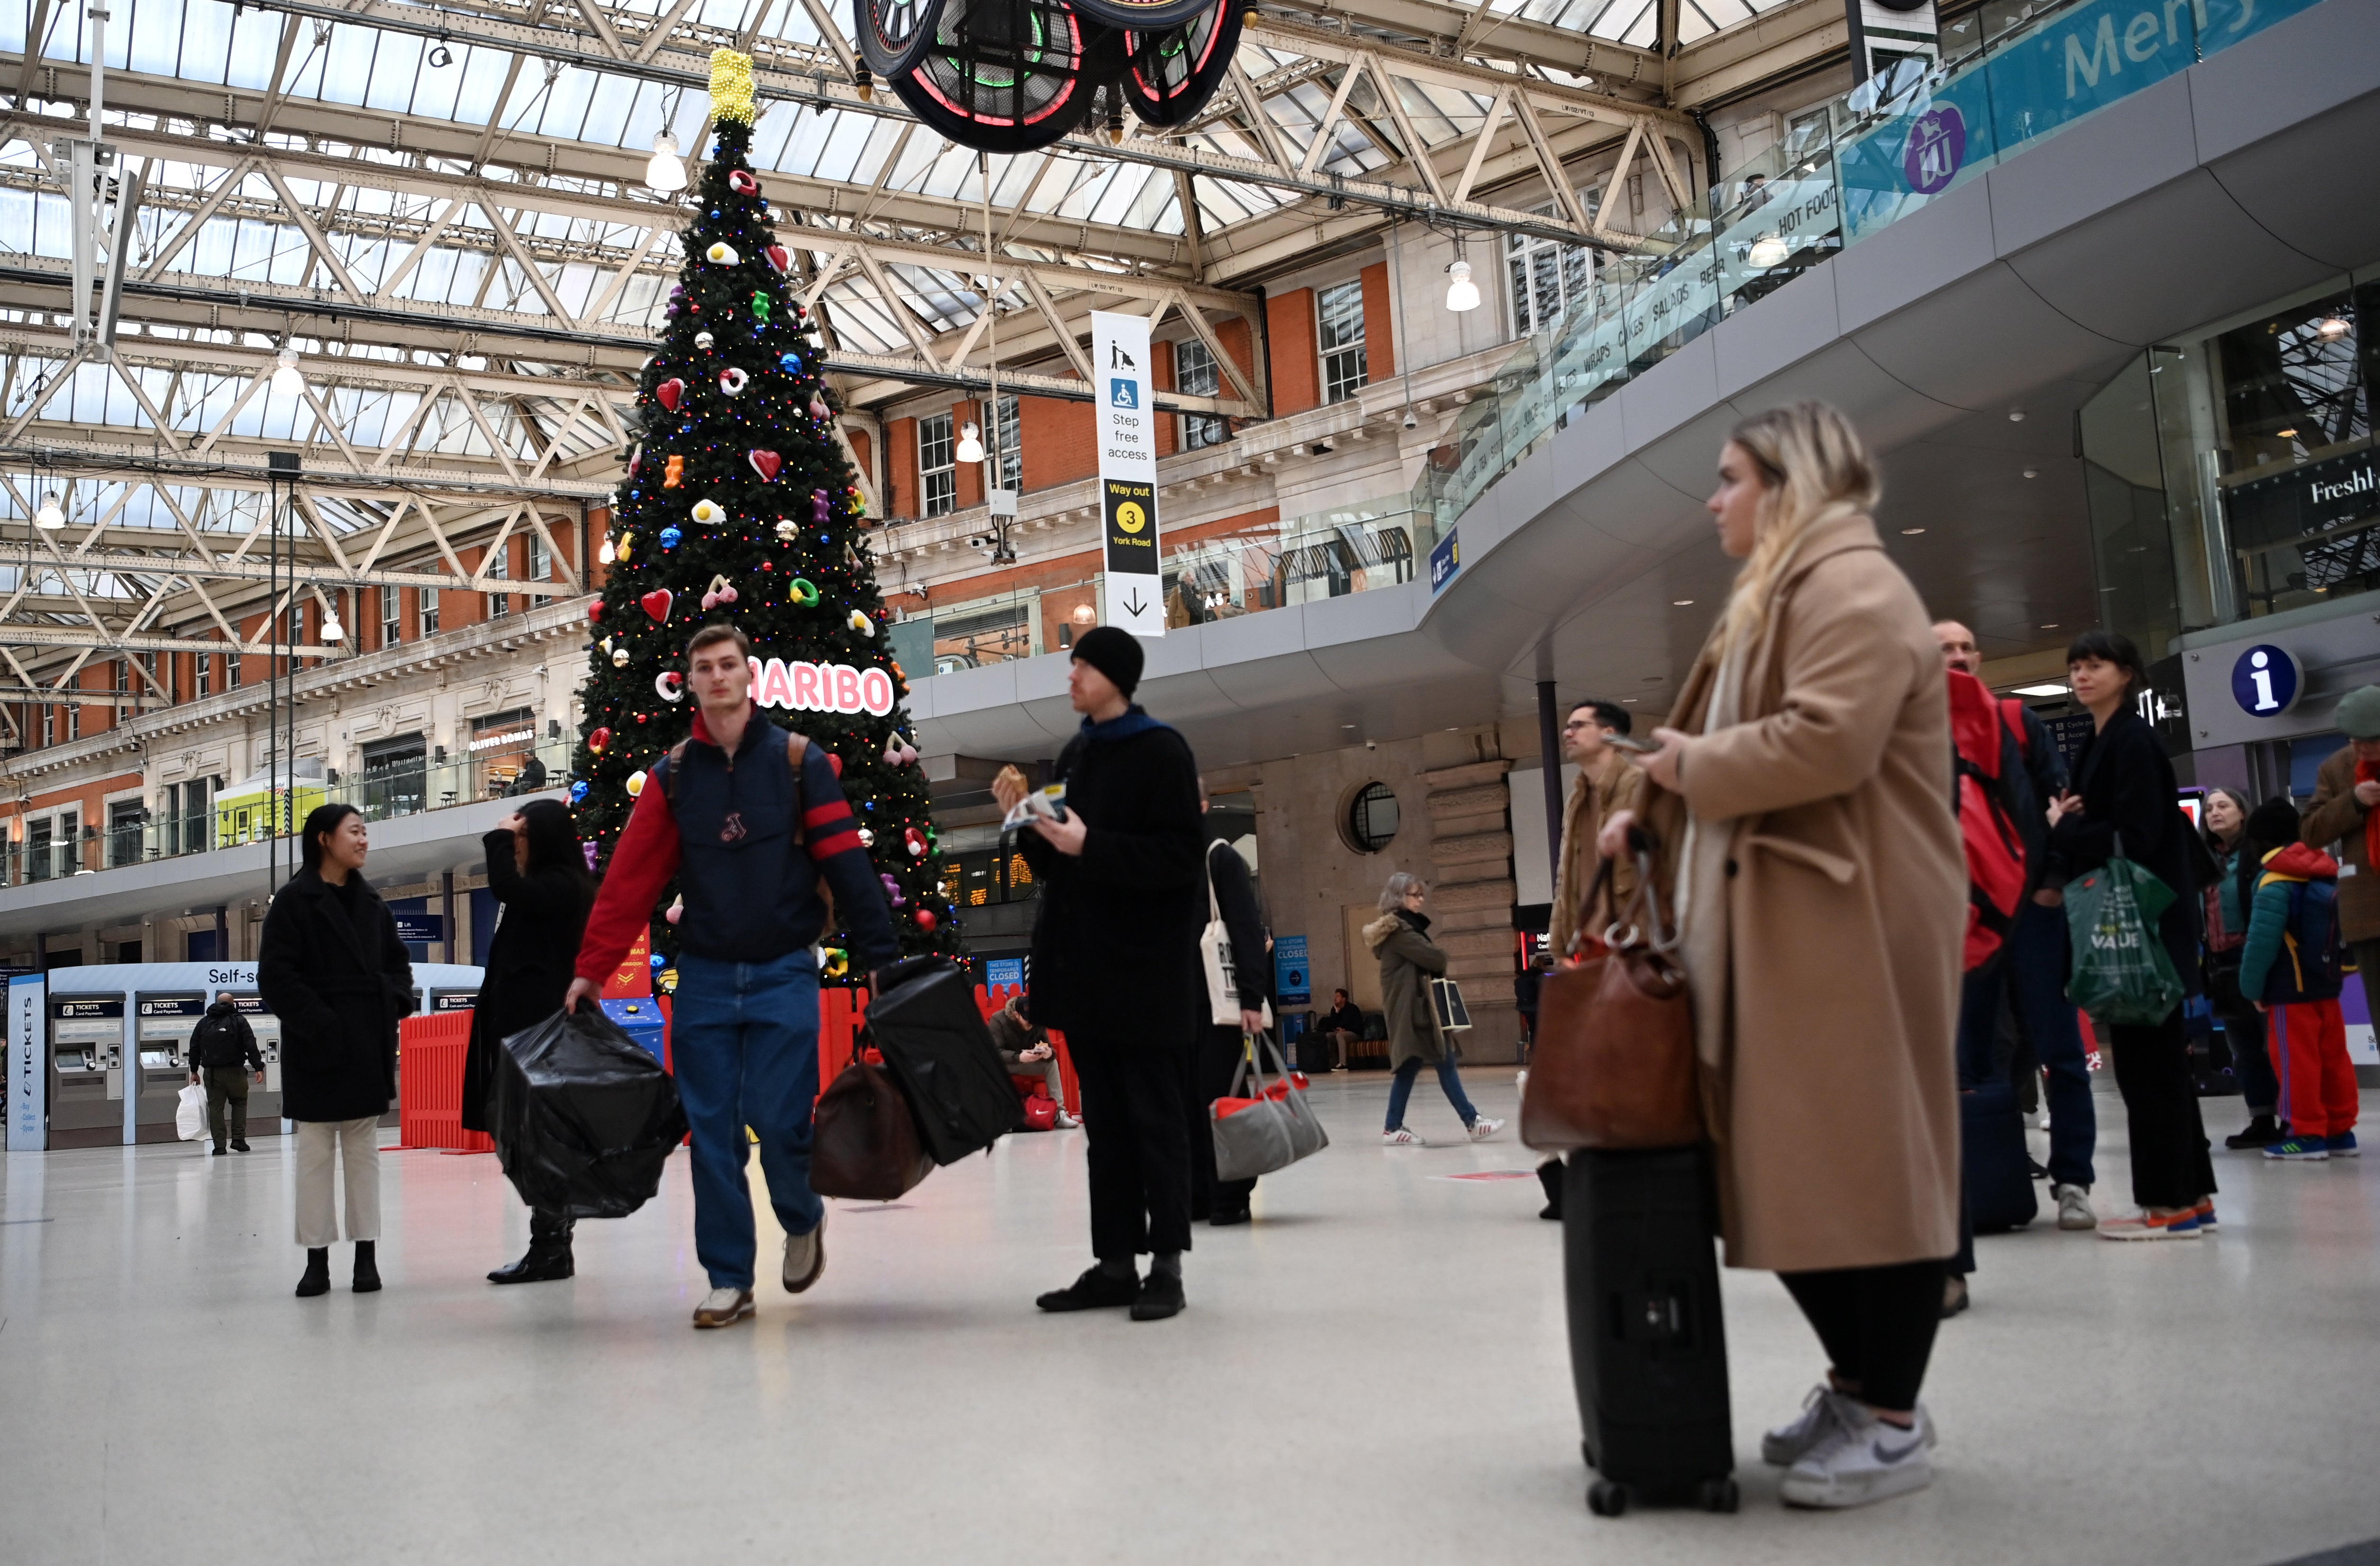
point(1803, 807)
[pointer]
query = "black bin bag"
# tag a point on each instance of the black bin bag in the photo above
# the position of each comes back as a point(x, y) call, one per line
point(925, 1023)
point(584, 1116)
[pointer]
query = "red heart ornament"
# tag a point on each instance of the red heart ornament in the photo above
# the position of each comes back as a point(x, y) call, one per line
point(657, 603)
point(599, 741)
point(767, 464)
point(670, 391)
point(777, 258)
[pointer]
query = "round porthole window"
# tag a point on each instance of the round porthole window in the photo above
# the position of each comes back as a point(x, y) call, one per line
point(1368, 821)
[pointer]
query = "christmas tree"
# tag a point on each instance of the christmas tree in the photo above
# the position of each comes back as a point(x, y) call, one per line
point(738, 506)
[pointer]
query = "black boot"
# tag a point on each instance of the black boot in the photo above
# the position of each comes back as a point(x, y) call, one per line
point(318, 1272)
point(366, 1269)
point(2261, 1132)
point(548, 1253)
point(1550, 1175)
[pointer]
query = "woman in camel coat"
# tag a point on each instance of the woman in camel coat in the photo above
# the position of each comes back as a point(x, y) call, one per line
point(1803, 808)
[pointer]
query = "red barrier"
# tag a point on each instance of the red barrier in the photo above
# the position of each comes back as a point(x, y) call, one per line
point(430, 1083)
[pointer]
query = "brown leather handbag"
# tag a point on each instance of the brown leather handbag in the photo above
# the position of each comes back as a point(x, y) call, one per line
point(1613, 1064)
point(864, 1142)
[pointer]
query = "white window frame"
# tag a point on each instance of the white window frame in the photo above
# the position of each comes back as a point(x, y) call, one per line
point(1573, 278)
point(1196, 374)
point(392, 616)
point(1346, 364)
point(1008, 443)
point(428, 612)
point(541, 559)
point(938, 465)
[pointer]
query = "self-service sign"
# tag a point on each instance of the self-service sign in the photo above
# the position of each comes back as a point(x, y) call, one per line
point(1126, 426)
point(29, 1081)
point(2265, 681)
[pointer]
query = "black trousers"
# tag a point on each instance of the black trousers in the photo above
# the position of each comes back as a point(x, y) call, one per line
point(1876, 1323)
point(1140, 1140)
point(1214, 1058)
point(2171, 1166)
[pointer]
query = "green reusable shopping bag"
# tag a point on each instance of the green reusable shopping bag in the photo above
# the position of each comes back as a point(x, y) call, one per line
point(2122, 973)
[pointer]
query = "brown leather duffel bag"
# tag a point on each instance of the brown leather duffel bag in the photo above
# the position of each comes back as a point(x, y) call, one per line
point(1613, 1064)
point(864, 1142)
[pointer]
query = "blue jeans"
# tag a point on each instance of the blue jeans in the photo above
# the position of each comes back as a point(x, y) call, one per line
point(2036, 964)
point(743, 1043)
point(1400, 1090)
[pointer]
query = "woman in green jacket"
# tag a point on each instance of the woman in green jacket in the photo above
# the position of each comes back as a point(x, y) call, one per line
point(1409, 959)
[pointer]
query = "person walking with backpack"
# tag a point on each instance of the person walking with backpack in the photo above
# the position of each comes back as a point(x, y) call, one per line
point(752, 821)
point(222, 1046)
point(1801, 808)
point(540, 882)
point(2225, 828)
point(2031, 973)
point(2291, 968)
point(2123, 803)
point(1115, 966)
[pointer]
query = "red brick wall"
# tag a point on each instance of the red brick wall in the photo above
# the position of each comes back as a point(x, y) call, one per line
point(900, 493)
point(1295, 366)
point(1379, 326)
point(970, 474)
point(1061, 443)
point(1160, 376)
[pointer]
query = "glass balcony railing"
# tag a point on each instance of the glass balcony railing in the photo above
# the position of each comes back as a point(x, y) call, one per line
point(2018, 74)
point(247, 811)
point(1331, 553)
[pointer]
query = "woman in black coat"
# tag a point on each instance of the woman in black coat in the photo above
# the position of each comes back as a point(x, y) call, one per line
point(1217, 1056)
point(331, 967)
point(537, 872)
point(2123, 795)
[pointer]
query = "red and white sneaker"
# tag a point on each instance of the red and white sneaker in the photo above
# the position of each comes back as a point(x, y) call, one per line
point(2151, 1226)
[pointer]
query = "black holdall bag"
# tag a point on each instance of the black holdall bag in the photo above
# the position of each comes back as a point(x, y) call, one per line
point(925, 1023)
point(584, 1116)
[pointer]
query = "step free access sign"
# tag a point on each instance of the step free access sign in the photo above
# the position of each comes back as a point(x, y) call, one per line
point(1127, 435)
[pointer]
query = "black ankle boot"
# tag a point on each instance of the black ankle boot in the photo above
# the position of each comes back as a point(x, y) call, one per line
point(318, 1272)
point(548, 1258)
point(1550, 1175)
point(366, 1269)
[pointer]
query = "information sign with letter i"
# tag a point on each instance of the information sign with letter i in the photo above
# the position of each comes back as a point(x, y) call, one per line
point(1127, 432)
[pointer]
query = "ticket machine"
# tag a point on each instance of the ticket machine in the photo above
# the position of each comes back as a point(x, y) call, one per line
point(87, 1070)
point(263, 1103)
point(161, 1041)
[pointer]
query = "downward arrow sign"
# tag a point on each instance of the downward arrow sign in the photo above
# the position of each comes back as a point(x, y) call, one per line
point(1133, 605)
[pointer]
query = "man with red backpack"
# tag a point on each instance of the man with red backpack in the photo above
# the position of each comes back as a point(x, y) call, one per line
point(2032, 958)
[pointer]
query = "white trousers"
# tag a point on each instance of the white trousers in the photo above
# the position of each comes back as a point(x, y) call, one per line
point(355, 1143)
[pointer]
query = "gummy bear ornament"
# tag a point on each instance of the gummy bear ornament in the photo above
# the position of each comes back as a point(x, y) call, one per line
point(675, 474)
point(760, 305)
point(820, 508)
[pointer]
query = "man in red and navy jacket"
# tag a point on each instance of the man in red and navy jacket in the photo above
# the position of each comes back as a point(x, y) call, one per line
point(753, 822)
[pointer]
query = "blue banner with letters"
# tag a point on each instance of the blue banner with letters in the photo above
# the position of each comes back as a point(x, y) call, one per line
point(2080, 61)
point(1445, 560)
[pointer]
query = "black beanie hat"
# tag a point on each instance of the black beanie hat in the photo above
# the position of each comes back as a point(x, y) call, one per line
point(2273, 823)
point(1114, 652)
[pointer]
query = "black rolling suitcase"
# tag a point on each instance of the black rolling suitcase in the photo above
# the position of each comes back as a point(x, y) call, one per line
point(1647, 1347)
point(1994, 1161)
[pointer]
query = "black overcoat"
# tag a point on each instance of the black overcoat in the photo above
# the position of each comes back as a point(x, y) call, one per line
point(530, 962)
point(1115, 940)
point(2129, 797)
point(339, 984)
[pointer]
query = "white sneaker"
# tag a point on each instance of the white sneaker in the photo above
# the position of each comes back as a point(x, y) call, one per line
point(804, 1258)
point(1482, 1128)
point(1860, 1459)
point(1068, 1123)
point(1400, 1137)
point(724, 1307)
point(1822, 1415)
point(2074, 1207)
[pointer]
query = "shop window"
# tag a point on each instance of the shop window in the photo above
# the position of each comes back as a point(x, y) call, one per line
point(502, 744)
point(1195, 373)
point(938, 477)
point(1344, 367)
point(395, 776)
point(124, 821)
point(1368, 821)
point(39, 837)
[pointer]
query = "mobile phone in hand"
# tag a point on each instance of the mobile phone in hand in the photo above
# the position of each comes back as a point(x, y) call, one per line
point(1635, 742)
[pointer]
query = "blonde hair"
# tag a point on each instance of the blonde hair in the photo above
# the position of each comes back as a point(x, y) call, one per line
point(1813, 468)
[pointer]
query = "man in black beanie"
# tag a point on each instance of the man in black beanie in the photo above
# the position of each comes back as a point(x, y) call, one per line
point(1114, 958)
